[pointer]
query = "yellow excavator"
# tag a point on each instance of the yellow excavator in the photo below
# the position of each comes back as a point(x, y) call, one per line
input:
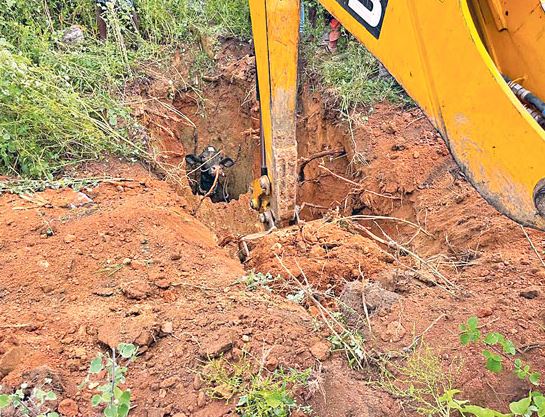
point(475, 67)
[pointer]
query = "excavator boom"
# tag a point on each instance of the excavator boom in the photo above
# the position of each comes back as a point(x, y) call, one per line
point(461, 61)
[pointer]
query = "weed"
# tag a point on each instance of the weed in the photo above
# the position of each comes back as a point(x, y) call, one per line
point(254, 280)
point(116, 401)
point(350, 342)
point(498, 348)
point(29, 404)
point(421, 382)
point(24, 186)
point(261, 394)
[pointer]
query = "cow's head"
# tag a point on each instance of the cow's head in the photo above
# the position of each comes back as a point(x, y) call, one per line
point(211, 163)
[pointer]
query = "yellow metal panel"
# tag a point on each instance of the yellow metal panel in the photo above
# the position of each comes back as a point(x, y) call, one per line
point(275, 25)
point(434, 49)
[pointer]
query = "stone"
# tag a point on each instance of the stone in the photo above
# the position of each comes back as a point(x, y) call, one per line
point(104, 292)
point(484, 312)
point(68, 408)
point(169, 382)
point(394, 332)
point(201, 399)
point(376, 298)
point(69, 238)
point(73, 35)
point(163, 284)
point(529, 293)
point(167, 327)
point(320, 350)
point(216, 345)
point(197, 382)
point(10, 360)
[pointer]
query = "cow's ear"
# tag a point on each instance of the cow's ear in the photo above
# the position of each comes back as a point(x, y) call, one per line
point(227, 162)
point(192, 159)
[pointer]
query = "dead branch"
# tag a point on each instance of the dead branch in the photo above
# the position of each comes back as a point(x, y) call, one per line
point(303, 162)
point(532, 245)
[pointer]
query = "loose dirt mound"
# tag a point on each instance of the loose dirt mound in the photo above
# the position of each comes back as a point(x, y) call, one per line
point(398, 193)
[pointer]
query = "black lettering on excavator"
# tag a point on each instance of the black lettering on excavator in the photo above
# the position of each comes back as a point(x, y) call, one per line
point(370, 13)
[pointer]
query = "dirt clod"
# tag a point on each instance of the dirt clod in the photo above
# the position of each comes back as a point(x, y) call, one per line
point(167, 327)
point(136, 290)
point(68, 408)
point(10, 360)
point(69, 238)
point(214, 346)
point(376, 299)
point(320, 350)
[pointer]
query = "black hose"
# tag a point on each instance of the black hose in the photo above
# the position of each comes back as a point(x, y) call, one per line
point(526, 95)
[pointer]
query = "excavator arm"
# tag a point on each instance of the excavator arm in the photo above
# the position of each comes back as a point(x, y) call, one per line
point(475, 67)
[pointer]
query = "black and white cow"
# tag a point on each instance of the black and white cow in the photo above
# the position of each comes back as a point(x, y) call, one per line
point(210, 164)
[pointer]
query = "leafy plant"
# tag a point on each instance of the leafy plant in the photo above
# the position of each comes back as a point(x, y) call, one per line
point(533, 404)
point(254, 280)
point(500, 348)
point(261, 394)
point(30, 404)
point(116, 401)
point(350, 342)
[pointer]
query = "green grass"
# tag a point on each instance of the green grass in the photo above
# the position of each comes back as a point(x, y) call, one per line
point(63, 104)
point(351, 74)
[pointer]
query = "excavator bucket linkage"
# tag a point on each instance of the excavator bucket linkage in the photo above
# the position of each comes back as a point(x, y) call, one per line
point(467, 63)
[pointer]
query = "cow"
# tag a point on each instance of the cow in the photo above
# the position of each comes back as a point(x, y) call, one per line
point(211, 164)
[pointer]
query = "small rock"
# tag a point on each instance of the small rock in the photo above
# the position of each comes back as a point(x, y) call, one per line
point(394, 332)
point(104, 292)
point(127, 261)
point(317, 252)
point(529, 293)
point(68, 408)
point(484, 312)
point(197, 382)
point(169, 382)
point(272, 363)
point(175, 257)
point(69, 238)
point(10, 360)
point(201, 399)
point(214, 347)
point(245, 338)
point(163, 284)
point(416, 155)
point(320, 351)
point(73, 35)
point(167, 327)
point(137, 290)
point(145, 338)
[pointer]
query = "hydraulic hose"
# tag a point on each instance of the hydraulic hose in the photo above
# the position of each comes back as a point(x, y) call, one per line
point(526, 95)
